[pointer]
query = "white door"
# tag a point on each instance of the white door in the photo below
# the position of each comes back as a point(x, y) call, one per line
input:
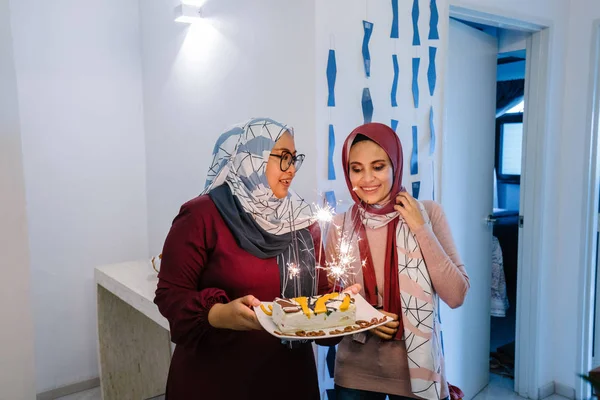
point(467, 190)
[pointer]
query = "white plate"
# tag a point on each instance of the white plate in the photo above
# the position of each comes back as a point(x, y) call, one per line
point(364, 312)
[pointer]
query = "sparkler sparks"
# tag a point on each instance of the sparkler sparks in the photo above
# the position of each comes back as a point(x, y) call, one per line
point(324, 214)
point(293, 270)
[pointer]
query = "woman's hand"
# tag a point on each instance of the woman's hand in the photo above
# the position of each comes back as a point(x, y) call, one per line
point(409, 209)
point(236, 315)
point(354, 289)
point(387, 331)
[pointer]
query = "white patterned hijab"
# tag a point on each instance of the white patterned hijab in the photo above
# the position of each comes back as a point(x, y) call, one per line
point(240, 158)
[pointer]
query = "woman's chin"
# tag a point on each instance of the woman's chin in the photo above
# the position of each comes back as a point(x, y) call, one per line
point(281, 193)
point(370, 198)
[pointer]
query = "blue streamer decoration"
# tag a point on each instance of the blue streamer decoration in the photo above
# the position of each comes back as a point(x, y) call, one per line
point(416, 187)
point(414, 157)
point(394, 125)
point(395, 82)
point(331, 75)
point(395, 33)
point(368, 27)
point(330, 198)
point(415, 80)
point(433, 21)
point(330, 359)
point(367, 106)
point(431, 132)
point(415, 21)
point(331, 168)
point(431, 72)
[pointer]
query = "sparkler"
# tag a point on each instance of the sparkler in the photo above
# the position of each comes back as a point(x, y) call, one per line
point(340, 268)
point(324, 215)
point(294, 274)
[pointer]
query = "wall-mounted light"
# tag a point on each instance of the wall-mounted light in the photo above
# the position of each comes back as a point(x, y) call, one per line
point(188, 13)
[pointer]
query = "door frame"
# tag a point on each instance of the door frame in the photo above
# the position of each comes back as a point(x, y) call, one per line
point(588, 280)
point(533, 185)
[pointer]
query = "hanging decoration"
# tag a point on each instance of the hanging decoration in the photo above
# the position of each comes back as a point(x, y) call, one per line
point(331, 167)
point(416, 187)
point(331, 76)
point(368, 30)
point(367, 106)
point(394, 93)
point(415, 22)
point(330, 198)
point(431, 132)
point(414, 158)
point(395, 32)
point(431, 72)
point(433, 21)
point(415, 80)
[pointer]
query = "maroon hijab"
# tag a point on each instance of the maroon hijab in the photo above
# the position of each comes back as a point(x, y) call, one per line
point(387, 139)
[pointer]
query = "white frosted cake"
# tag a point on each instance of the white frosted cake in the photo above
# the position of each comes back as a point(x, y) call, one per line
point(314, 313)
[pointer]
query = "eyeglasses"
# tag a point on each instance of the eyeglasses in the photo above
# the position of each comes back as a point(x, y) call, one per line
point(286, 159)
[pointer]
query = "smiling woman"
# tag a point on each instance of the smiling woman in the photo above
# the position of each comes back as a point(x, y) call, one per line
point(371, 171)
point(405, 259)
point(207, 287)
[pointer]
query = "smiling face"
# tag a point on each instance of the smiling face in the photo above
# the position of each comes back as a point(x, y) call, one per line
point(279, 180)
point(371, 172)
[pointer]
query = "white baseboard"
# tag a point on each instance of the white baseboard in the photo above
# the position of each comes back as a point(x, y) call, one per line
point(69, 389)
point(546, 391)
point(564, 390)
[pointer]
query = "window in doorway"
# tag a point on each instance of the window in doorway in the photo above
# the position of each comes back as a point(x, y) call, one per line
point(509, 142)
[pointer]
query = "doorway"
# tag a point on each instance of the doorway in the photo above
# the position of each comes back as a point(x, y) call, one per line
point(461, 133)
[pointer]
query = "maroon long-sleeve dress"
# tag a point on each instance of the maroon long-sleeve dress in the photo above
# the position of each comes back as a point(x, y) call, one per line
point(202, 265)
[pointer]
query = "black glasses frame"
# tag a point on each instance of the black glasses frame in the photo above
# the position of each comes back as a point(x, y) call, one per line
point(297, 160)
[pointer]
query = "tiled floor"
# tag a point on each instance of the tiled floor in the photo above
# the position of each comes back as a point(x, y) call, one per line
point(92, 394)
point(499, 389)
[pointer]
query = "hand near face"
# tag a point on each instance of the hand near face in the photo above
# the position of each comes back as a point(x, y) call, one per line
point(409, 209)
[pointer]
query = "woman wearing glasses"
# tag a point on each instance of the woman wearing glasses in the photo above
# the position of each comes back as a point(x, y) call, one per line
point(227, 249)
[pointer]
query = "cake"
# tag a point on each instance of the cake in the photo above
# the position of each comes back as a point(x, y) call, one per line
point(314, 313)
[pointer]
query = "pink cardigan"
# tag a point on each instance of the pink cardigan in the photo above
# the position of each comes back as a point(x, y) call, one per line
point(381, 366)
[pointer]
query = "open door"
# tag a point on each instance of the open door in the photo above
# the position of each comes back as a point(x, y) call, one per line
point(467, 198)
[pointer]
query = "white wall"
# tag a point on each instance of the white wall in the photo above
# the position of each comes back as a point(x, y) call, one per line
point(339, 26)
point(17, 373)
point(570, 179)
point(80, 98)
point(509, 40)
point(246, 59)
point(554, 364)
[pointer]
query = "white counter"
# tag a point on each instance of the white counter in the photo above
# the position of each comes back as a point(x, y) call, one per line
point(134, 346)
point(135, 284)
